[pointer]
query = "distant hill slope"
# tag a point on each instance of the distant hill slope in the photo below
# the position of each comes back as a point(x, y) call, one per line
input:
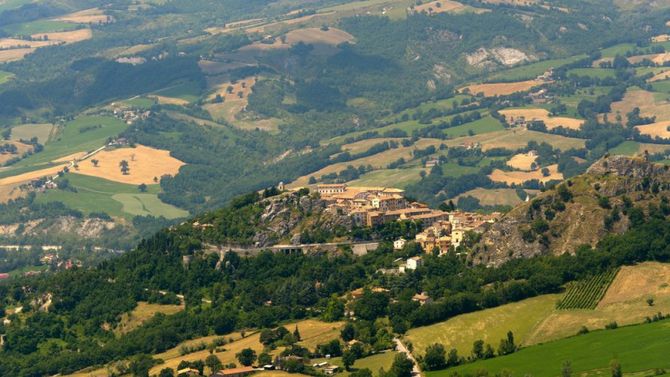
point(580, 211)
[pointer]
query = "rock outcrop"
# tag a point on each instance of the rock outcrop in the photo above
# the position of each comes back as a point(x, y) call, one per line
point(579, 211)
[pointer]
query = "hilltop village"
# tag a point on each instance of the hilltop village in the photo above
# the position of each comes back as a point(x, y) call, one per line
point(373, 206)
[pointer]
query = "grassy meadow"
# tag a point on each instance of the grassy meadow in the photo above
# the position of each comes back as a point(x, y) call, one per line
point(92, 194)
point(638, 348)
point(39, 26)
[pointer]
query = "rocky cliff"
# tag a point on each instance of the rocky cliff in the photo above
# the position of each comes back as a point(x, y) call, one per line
point(579, 211)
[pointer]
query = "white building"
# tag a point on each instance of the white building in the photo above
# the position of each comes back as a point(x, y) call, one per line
point(413, 263)
point(399, 243)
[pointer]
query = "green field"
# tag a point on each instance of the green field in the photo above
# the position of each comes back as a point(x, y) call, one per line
point(5, 76)
point(116, 199)
point(425, 106)
point(187, 90)
point(407, 126)
point(39, 26)
point(600, 73)
point(638, 348)
point(374, 363)
point(79, 135)
point(481, 126)
point(627, 148)
point(531, 71)
point(619, 49)
point(586, 294)
point(489, 325)
point(661, 86)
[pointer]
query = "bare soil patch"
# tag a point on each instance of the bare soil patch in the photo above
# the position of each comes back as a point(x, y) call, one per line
point(144, 163)
point(503, 88)
point(519, 177)
point(542, 115)
point(169, 100)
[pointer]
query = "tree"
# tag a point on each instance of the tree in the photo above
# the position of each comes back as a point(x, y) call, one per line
point(507, 345)
point(95, 162)
point(334, 310)
point(545, 172)
point(566, 369)
point(166, 372)
point(402, 366)
point(453, 359)
point(348, 359)
point(264, 358)
point(140, 366)
point(246, 357)
point(365, 372)
point(125, 168)
point(142, 187)
point(650, 301)
point(348, 332)
point(213, 363)
point(488, 352)
point(296, 334)
point(615, 366)
point(478, 349)
point(435, 358)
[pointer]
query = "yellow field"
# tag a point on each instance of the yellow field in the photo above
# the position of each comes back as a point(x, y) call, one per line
point(656, 58)
point(21, 149)
point(313, 332)
point(646, 101)
point(378, 161)
point(14, 54)
point(502, 89)
point(660, 38)
point(663, 75)
point(87, 16)
point(142, 313)
point(444, 6)
point(67, 36)
point(519, 177)
point(522, 161)
point(542, 115)
point(624, 302)
point(27, 177)
point(244, 86)
point(145, 163)
point(10, 192)
point(658, 129)
point(10, 43)
point(516, 138)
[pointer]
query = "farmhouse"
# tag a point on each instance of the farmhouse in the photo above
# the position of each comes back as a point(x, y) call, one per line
point(422, 298)
point(399, 243)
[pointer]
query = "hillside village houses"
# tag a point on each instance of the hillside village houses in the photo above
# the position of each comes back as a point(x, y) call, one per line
point(371, 206)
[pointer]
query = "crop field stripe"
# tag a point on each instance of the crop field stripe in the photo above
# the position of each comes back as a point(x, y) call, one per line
point(586, 294)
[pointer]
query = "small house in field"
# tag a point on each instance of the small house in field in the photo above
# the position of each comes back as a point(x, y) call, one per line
point(234, 372)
